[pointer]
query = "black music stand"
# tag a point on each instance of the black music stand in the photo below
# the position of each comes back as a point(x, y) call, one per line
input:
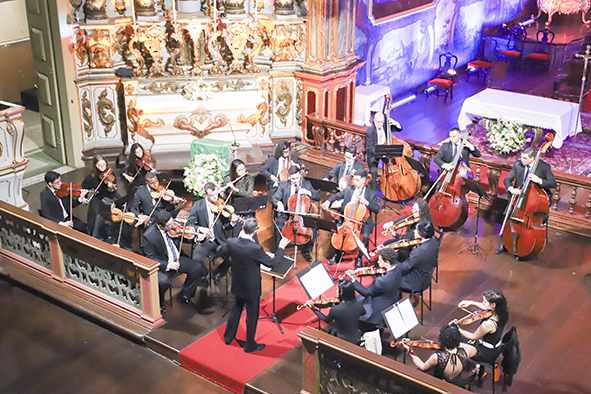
point(475, 187)
point(248, 205)
point(319, 224)
point(280, 271)
point(387, 152)
point(323, 186)
point(417, 165)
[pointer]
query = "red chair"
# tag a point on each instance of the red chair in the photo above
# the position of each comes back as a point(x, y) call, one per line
point(488, 48)
point(540, 55)
point(514, 50)
point(444, 80)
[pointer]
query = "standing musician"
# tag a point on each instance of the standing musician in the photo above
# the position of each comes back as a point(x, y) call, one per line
point(133, 171)
point(422, 260)
point(144, 201)
point(159, 246)
point(102, 179)
point(247, 256)
point(366, 196)
point(346, 313)
point(293, 186)
point(207, 219)
point(279, 164)
point(56, 208)
point(520, 171)
point(382, 293)
point(445, 157)
point(420, 211)
point(343, 171)
point(376, 135)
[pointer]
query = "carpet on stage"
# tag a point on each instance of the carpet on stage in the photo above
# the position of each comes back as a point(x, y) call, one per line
point(229, 366)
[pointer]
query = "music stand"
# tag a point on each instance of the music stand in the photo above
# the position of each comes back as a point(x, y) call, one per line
point(280, 270)
point(475, 187)
point(246, 205)
point(315, 281)
point(401, 318)
point(388, 151)
point(322, 185)
point(319, 224)
point(417, 165)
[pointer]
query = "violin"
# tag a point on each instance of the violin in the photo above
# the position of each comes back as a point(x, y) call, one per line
point(325, 302)
point(399, 180)
point(355, 214)
point(526, 233)
point(425, 344)
point(178, 229)
point(167, 195)
point(127, 217)
point(366, 271)
point(398, 245)
point(109, 178)
point(225, 209)
point(404, 222)
point(294, 229)
point(76, 190)
point(472, 317)
point(146, 161)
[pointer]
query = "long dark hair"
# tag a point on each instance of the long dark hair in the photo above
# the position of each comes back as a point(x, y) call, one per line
point(233, 167)
point(283, 145)
point(96, 159)
point(496, 297)
point(346, 290)
point(424, 211)
point(132, 158)
point(449, 336)
point(104, 209)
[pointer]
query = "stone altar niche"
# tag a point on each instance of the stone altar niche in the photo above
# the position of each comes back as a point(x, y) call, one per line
point(12, 161)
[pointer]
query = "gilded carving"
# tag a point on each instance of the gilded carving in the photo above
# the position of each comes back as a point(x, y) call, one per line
point(263, 83)
point(86, 114)
point(283, 39)
point(201, 116)
point(299, 114)
point(176, 35)
point(130, 89)
point(158, 88)
point(81, 49)
point(252, 119)
point(258, 34)
point(263, 108)
point(153, 40)
point(239, 84)
point(105, 111)
point(236, 36)
point(1, 149)
point(99, 46)
point(195, 30)
point(283, 102)
point(133, 116)
point(147, 124)
point(216, 69)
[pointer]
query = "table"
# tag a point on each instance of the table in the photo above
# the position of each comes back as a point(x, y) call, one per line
point(560, 116)
point(368, 98)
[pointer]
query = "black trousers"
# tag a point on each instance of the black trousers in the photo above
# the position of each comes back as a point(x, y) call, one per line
point(252, 319)
point(366, 230)
point(196, 276)
point(212, 250)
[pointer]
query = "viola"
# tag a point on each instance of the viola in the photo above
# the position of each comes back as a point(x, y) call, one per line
point(76, 190)
point(398, 245)
point(355, 214)
point(325, 302)
point(298, 204)
point(425, 344)
point(399, 180)
point(167, 195)
point(474, 316)
point(526, 233)
point(404, 222)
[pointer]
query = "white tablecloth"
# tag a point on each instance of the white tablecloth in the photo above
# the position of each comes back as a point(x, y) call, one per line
point(560, 116)
point(367, 99)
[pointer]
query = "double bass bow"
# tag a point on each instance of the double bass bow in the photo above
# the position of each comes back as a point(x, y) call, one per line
point(526, 233)
point(401, 181)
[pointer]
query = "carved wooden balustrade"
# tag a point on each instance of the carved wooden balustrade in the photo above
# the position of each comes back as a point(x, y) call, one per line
point(113, 285)
point(332, 365)
point(570, 208)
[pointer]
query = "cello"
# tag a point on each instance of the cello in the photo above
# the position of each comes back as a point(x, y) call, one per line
point(347, 235)
point(401, 181)
point(449, 208)
point(526, 233)
point(298, 205)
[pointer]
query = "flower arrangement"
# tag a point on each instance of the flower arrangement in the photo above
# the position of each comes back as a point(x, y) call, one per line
point(202, 169)
point(505, 136)
point(197, 89)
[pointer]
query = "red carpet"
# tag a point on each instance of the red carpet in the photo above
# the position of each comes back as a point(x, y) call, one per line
point(229, 366)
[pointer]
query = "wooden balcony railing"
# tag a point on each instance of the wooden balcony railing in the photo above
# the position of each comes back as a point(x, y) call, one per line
point(570, 209)
point(115, 286)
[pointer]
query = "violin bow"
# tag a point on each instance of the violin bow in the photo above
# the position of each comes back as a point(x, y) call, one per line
point(341, 215)
point(121, 225)
point(443, 173)
point(158, 202)
point(220, 212)
point(99, 185)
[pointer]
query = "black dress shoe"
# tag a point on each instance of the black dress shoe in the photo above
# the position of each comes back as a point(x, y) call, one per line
point(162, 309)
point(358, 262)
point(257, 348)
point(500, 249)
point(307, 256)
point(184, 299)
point(228, 341)
point(332, 261)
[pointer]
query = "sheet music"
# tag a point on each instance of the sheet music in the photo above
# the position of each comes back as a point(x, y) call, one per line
point(401, 318)
point(316, 281)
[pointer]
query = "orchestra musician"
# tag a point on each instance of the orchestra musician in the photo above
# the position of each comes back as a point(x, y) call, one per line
point(445, 157)
point(294, 185)
point(105, 228)
point(376, 135)
point(101, 179)
point(382, 293)
point(247, 256)
point(422, 260)
point(420, 211)
point(366, 196)
point(56, 208)
point(346, 313)
point(275, 165)
point(448, 361)
point(520, 171)
point(159, 246)
point(345, 168)
point(238, 181)
point(134, 173)
point(214, 226)
point(143, 202)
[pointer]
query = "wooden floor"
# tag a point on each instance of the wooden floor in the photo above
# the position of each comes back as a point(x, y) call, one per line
point(44, 348)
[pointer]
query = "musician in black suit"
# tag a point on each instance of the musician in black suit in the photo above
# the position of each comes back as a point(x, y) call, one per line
point(214, 226)
point(283, 159)
point(376, 134)
point(57, 209)
point(542, 176)
point(158, 246)
point(382, 293)
point(445, 157)
point(346, 167)
point(247, 256)
point(366, 196)
point(422, 259)
point(143, 202)
point(295, 184)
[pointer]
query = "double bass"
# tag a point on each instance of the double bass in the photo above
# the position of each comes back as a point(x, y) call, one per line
point(526, 233)
point(399, 180)
point(449, 208)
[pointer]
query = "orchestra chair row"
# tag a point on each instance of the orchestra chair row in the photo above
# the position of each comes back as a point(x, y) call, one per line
point(515, 44)
point(482, 64)
point(541, 54)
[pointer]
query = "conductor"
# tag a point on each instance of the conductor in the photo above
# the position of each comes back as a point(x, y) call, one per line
point(247, 256)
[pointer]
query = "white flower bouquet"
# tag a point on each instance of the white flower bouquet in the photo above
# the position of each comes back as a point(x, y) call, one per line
point(202, 169)
point(506, 136)
point(197, 89)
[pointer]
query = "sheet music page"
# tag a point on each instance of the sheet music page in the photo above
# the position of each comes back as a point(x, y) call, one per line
point(401, 318)
point(397, 326)
point(408, 314)
point(316, 281)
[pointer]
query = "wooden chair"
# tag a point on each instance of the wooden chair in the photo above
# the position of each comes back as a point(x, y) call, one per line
point(541, 56)
point(426, 285)
point(514, 50)
point(498, 76)
point(444, 79)
point(482, 64)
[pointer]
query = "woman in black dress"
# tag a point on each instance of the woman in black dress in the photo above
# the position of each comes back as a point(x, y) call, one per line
point(134, 173)
point(105, 228)
point(100, 174)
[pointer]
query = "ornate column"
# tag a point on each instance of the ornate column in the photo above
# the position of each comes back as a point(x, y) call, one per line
point(12, 161)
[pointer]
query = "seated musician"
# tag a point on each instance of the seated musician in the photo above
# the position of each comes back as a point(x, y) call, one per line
point(213, 225)
point(382, 293)
point(376, 135)
point(143, 202)
point(240, 184)
point(448, 361)
point(346, 313)
point(345, 168)
point(366, 196)
point(445, 157)
point(420, 211)
point(105, 228)
point(159, 246)
point(422, 260)
point(280, 200)
point(281, 161)
point(98, 180)
point(56, 208)
point(521, 170)
point(134, 173)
